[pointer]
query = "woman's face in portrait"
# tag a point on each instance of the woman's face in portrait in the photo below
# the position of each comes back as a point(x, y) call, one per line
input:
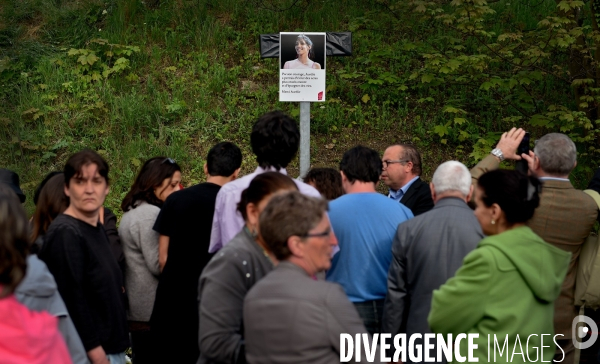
point(301, 47)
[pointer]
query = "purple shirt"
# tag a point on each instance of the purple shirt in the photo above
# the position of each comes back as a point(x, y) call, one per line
point(227, 221)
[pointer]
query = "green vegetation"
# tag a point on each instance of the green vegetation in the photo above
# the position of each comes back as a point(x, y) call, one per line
point(135, 79)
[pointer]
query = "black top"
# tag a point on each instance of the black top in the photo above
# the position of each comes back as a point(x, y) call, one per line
point(110, 226)
point(186, 218)
point(595, 185)
point(89, 281)
point(418, 197)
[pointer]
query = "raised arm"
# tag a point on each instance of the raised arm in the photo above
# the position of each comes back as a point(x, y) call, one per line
point(508, 144)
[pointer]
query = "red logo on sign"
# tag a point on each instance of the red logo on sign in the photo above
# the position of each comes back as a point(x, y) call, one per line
point(320, 96)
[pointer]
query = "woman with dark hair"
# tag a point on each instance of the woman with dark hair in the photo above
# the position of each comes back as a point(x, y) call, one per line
point(51, 202)
point(38, 189)
point(510, 281)
point(232, 272)
point(304, 50)
point(327, 181)
point(25, 336)
point(38, 290)
point(289, 316)
point(158, 178)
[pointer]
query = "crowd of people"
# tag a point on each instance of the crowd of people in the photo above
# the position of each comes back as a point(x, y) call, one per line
point(269, 269)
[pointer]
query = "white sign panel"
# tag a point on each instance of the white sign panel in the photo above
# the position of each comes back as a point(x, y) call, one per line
point(302, 67)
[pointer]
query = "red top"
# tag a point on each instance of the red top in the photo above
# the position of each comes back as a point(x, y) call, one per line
point(29, 337)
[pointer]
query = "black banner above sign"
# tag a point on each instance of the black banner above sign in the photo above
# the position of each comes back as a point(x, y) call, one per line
point(338, 44)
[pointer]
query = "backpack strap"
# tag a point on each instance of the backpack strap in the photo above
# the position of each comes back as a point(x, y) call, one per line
point(581, 312)
point(595, 195)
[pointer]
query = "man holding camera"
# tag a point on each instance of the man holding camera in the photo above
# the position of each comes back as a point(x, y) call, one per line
point(564, 218)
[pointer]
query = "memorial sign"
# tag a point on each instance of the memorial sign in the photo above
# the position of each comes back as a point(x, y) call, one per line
point(302, 58)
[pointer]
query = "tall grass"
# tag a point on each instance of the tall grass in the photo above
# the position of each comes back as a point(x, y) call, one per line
point(198, 79)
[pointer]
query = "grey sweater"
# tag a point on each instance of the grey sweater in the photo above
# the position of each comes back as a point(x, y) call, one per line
point(140, 246)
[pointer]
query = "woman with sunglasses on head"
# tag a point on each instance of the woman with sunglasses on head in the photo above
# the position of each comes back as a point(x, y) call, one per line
point(158, 178)
point(233, 271)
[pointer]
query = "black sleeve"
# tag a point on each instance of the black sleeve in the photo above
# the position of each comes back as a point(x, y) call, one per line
point(164, 221)
point(595, 184)
point(110, 226)
point(396, 301)
point(424, 201)
point(66, 256)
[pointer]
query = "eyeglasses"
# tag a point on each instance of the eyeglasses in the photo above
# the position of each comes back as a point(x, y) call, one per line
point(168, 160)
point(388, 162)
point(325, 233)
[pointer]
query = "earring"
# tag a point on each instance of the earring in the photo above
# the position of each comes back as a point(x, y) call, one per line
point(254, 232)
point(493, 222)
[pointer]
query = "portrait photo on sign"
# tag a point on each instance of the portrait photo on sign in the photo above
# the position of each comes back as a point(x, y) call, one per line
point(302, 51)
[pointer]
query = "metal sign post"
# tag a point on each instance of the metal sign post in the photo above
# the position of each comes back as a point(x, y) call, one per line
point(301, 77)
point(304, 138)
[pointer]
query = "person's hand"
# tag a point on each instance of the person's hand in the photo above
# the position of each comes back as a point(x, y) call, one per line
point(98, 356)
point(529, 158)
point(509, 142)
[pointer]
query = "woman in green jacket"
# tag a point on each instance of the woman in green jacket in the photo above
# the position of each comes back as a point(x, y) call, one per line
point(506, 288)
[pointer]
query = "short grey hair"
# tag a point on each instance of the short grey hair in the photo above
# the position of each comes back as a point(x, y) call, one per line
point(557, 154)
point(452, 176)
point(286, 215)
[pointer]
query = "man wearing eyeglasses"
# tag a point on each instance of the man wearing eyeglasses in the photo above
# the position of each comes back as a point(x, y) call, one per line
point(401, 173)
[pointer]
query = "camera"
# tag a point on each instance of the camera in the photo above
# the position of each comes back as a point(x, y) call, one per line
point(521, 165)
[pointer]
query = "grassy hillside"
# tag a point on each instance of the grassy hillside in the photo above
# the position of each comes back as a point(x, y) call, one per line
point(135, 79)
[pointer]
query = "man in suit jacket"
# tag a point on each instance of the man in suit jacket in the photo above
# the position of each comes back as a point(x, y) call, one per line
point(401, 173)
point(440, 238)
point(564, 218)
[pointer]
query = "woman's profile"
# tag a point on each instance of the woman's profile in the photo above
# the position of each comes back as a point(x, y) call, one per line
point(304, 52)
